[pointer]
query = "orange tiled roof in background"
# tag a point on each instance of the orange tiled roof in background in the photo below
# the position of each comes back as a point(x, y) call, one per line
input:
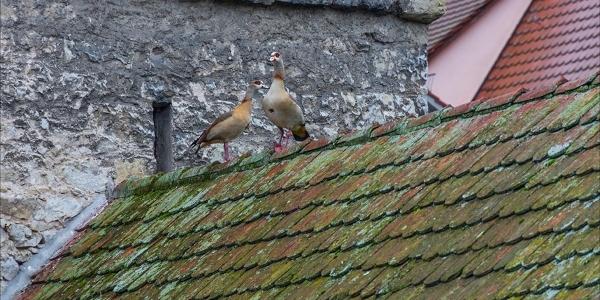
point(555, 38)
point(460, 64)
point(458, 13)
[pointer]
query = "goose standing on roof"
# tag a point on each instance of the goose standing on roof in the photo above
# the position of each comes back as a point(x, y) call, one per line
point(229, 125)
point(281, 108)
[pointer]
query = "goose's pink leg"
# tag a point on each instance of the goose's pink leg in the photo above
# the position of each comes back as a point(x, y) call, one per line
point(278, 148)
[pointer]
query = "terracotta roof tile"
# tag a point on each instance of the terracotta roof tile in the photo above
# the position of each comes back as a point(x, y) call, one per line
point(496, 199)
point(555, 38)
point(458, 14)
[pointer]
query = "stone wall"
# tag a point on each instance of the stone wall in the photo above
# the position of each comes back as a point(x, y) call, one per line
point(78, 78)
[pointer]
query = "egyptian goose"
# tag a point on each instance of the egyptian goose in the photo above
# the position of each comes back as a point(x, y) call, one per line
point(229, 125)
point(281, 108)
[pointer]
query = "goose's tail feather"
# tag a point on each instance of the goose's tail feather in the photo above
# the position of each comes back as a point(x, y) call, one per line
point(300, 133)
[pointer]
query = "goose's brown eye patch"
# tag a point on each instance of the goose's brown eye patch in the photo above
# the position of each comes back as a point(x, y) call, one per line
point(276, 54)
point(257, 82)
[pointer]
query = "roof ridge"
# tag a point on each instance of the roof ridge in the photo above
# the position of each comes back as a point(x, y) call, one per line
point(247, 161)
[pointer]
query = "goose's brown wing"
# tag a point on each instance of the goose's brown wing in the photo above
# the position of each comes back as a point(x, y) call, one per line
point(202, 138)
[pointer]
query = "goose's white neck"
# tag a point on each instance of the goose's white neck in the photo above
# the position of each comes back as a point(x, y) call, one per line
point(276, 86)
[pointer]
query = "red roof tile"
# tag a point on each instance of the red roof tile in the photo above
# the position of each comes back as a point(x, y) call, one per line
point(458, 13)
point(495, 199)
point(555, 38)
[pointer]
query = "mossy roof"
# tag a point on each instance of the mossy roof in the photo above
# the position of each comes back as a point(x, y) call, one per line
point(494, 199)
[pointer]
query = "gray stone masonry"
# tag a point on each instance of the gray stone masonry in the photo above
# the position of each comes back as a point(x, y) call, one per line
point(78, 79)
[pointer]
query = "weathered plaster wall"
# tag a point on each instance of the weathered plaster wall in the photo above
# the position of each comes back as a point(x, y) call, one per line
point(78, 78)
